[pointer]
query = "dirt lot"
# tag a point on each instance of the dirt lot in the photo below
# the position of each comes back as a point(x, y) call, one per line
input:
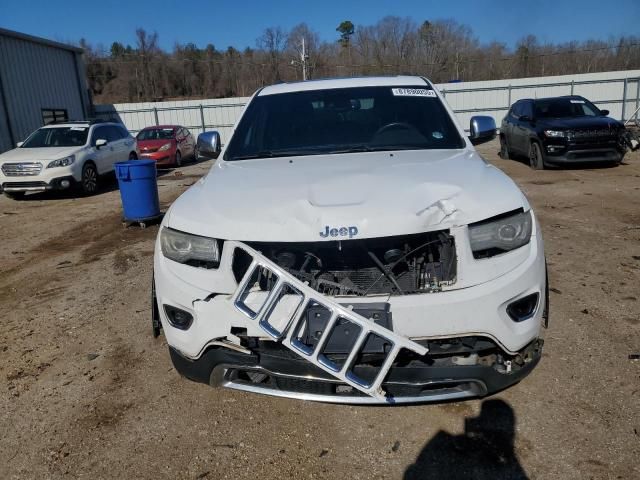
point(86, 392)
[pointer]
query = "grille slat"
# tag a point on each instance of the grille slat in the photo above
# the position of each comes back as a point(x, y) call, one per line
point(23, 169)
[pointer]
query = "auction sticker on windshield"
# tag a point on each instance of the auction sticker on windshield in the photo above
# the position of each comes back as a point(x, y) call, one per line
point(412, 92)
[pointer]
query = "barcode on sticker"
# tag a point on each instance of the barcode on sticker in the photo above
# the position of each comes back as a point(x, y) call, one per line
point(412, 92)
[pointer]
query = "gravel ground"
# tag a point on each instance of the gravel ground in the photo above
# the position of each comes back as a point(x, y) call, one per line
point(87, 392)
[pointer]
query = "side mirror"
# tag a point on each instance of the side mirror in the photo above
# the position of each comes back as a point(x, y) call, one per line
point(19, 144)
point(208, 145)
point(101, 142)
point(604, 113)
point(482, 129)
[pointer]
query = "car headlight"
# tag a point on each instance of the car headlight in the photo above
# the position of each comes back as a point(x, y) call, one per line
point(62, 162)
point(190, 249)
point(165, 147)
point(555, 133)
point(498, 235)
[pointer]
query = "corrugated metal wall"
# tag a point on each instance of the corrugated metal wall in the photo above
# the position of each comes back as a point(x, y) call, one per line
point(36, 76)
point(5, 137)
point(606, 89)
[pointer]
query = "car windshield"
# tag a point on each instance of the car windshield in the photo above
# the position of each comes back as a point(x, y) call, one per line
point(343, 120)
point(57, 137)
point(155, 134)
point(565, 107)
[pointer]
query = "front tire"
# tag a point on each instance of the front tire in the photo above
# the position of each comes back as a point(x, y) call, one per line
point(89, 182)
point(505, 154)
point(15, 195)
point(133, 156)
point(178, 159)
point(536, 160)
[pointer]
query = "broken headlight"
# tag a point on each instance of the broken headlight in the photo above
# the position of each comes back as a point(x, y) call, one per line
point(500, 234)
point(190, 249)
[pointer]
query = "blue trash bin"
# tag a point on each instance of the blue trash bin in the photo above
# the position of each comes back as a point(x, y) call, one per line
point(138, 190)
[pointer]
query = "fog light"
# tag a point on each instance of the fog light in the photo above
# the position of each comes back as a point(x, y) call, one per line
point(523, 308)
point(65, 183)
point(178, 318)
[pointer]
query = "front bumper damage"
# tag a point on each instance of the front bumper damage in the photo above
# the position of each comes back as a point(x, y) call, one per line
point(266, 348)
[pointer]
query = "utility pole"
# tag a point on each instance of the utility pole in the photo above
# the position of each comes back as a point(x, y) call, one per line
point(304, 58)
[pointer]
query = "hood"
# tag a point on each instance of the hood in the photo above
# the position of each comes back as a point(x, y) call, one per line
point(154, 144)
point(332, 197)
point(579, 123)
point(37, 154)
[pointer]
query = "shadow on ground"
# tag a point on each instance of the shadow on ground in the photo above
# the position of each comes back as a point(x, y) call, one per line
point(484, 451)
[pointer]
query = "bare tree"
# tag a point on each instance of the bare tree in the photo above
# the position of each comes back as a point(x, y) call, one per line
point(439, 49)
point(273, 41)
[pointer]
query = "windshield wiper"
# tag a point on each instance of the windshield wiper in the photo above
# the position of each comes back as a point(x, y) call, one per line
point(352, 149)
point(262, 154)
point(272, 154)
point(400, 146)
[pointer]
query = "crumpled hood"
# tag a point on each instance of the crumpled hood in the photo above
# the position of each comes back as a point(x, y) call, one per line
point(359, 195)
point(37, 154)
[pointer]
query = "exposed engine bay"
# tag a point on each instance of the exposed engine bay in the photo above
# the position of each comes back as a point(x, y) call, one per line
point(400, 265)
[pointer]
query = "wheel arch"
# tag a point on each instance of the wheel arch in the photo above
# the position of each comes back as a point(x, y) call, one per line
point(88, 161)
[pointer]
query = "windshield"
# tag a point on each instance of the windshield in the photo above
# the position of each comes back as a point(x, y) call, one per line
point(57, 137)
point(343, 121)
point(156, 134)
point(565, 107)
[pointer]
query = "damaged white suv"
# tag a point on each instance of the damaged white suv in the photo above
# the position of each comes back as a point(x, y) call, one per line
point(350, 245)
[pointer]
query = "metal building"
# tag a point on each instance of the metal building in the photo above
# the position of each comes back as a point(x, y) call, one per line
point(41, 81)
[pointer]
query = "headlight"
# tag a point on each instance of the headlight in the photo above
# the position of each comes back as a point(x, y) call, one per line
point(62, 162)
point(555, 133)
point(190, 249)
point(164, 147)
point(495, 236)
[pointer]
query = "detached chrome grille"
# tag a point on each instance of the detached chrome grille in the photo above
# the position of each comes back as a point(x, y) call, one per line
point(21, 169)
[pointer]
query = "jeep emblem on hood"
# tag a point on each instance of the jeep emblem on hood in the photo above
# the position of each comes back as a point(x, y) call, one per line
point(351, 231)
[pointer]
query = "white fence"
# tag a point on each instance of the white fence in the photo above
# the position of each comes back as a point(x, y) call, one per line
point(618, 92)
point(197, 115)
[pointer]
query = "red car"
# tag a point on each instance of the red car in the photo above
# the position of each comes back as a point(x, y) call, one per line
point(168, 145)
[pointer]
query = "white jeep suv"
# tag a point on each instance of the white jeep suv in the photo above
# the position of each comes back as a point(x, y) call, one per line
point(59, 156)
point(350, 245)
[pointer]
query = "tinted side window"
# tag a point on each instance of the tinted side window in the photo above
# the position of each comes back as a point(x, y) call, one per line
point(113, 133)
point(98, 133)
point(124, 133)
point(516, 110)
point(527, 109)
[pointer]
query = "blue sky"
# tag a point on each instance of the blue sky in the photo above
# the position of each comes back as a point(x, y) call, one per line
point(240, 22)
